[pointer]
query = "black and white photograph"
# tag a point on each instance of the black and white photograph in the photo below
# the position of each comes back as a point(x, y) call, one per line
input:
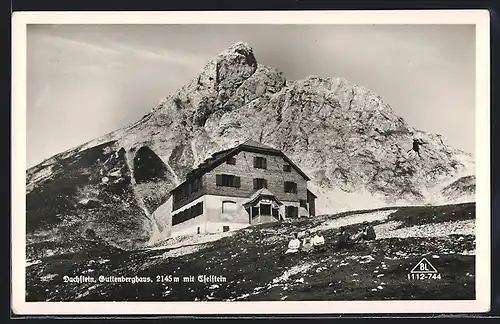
point(309, 157)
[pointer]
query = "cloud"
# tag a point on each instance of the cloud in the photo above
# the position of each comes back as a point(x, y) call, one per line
point(119, 52)
point(162, 54)
point(67, 43)
point(44, 93)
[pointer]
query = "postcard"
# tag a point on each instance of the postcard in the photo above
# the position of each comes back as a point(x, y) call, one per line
point(298, 162)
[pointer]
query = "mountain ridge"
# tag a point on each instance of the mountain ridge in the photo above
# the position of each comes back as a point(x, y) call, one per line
point(343, 135)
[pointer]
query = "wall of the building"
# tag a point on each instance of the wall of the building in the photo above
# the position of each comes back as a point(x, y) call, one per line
point(265, 219)
point(311, 201)
point(214, 210)
point(214, 219)
point(218, 227)
point(303, 212)
point(190, 227)
point(274, 175)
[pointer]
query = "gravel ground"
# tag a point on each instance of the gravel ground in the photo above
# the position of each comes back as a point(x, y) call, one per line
point(190, 240)
point(354, 219)
point(391, 229)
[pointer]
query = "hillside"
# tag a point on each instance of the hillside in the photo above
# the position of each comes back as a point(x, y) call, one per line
point(253, 263)
point(344, 136)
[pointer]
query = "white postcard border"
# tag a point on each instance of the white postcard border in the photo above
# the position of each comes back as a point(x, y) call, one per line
point(480, 18)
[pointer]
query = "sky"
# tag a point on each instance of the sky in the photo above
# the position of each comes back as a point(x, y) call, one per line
point(84, 81)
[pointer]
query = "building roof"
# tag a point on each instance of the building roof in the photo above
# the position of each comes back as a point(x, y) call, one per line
point(309, 192)
point(220, 157)
point(259, 193)
point(253, 143)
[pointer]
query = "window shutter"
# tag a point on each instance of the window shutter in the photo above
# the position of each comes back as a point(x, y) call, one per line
point(218, 179)
point(255, 159)
point(265, 183)
point(264, 163)
point(255, 183)
point(237, 182)
point(295, 211)
point(285, 187)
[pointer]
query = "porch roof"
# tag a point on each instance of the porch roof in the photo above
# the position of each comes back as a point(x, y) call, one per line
point(259, 193)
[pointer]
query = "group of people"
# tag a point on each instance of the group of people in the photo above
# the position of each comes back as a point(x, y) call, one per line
point(309, 242)
point(345, 239)
point(316, 242)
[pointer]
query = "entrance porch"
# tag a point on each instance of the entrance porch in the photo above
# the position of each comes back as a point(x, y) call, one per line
point(263, 207)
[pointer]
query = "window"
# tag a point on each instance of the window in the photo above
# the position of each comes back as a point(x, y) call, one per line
point(259, 162)
point(199, 208)
point(187, 214)
point(259, 183)
point(291, 211)
point(303, 203)
point(265, 209)
point(231, 161)
point(226, 180)
point(290, 187)
point(185, 190)
point(287, 168)
point(225, 228)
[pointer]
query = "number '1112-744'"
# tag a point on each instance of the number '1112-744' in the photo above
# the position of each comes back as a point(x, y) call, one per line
point(424, 276)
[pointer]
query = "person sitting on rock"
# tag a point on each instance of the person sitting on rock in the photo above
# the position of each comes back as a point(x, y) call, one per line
point(307, 245)
point(293, 245)
point(357, 237)
point(318, 242)
point(343, 240)
point(369, 232)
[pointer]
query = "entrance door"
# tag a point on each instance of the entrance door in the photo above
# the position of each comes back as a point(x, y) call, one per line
point(265, 209)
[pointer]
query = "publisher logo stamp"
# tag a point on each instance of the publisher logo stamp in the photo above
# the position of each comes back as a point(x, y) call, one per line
point(424, 270)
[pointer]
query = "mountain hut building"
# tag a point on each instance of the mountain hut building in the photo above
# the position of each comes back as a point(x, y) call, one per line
point(249, 184)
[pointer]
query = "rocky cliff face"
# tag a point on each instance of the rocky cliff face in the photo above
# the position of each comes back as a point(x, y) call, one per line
point(351, 143)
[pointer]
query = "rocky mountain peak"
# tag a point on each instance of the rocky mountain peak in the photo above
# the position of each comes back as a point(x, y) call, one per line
point(241, 48)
